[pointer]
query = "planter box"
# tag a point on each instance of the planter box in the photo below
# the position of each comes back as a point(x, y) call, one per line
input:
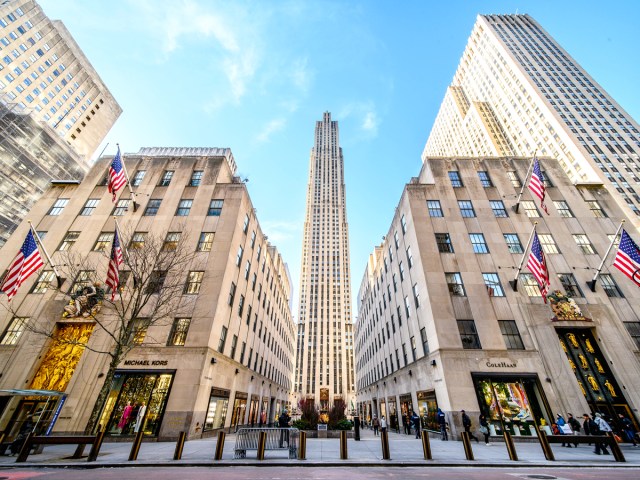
point(327, 433)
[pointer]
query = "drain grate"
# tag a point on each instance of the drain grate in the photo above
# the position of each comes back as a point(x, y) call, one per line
point(541, 477)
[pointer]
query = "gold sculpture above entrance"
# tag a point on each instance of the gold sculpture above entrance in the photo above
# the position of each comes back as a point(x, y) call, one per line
point(61, 359)
point(565, 308)
point(85, 301)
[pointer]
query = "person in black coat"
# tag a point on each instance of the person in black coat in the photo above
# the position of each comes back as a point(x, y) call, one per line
point(283, 423)
point(466, 423)
point(442, 423)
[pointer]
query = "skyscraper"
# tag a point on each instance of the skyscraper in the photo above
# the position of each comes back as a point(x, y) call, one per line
point(517, 91)
point(324, 359)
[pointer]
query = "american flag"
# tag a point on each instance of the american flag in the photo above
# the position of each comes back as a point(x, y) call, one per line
point(628, 258)
point(27, 261)
point(115, 262)
point(536, 184)
point(538, 266)
point(117, 178)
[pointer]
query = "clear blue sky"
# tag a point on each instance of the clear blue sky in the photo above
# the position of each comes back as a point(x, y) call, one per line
point(255, 76)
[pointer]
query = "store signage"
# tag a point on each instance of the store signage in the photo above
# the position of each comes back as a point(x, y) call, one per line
point(501, 363)
point(146, 363)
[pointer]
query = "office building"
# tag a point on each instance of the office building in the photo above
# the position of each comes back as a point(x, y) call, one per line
point(324, 352)
point(517, 92)
point(224, 354)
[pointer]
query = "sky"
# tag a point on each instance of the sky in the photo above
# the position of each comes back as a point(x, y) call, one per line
point(255, 76)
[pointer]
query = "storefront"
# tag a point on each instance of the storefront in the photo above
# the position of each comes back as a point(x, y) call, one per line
point(512, 402)
point(239, 409)
point(136, 401)
point(264, 409)
point(427, 407)
point(253, 410)
point(393, 413)
point(217, 410)
point(383, 409)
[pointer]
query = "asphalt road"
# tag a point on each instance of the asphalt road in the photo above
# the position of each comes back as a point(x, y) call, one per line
point(337, 473)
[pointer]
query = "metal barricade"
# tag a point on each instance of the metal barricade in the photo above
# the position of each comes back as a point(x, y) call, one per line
point(276, 439)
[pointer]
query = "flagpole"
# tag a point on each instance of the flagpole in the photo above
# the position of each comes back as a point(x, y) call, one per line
point(516, 207)
point(126, 175)
point(592, 284)
point(514, 282)
point(59, 279)
point(125, 253)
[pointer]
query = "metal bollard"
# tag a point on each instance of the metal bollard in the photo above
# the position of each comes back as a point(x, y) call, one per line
point(95, 448)
point(426, 445)
point(302, 450)
point(262, 443)
point(544, 443)
point(511, 447)
point(343, 445)
point(220, 445)
point(135, 447)
point(177, 455)
point(615, 448)
point(384, 438)
point(466, 441)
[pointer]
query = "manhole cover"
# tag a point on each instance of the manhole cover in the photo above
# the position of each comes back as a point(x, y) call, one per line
point(542, 477)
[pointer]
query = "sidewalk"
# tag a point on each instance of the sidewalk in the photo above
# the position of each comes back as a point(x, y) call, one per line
point(405, 451)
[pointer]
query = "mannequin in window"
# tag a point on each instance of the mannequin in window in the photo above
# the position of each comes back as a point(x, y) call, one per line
point(140, 417)
point(124, 419)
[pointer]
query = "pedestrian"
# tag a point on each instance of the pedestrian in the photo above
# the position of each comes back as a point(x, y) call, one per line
point(383, 424)
point(484, 428)
point(415, 421)
point(562, 428)
point(574, 424)
point(25, 429)
point(442, 423)
point(375, 423)
point(283, 423)
point(406, 422)
point(627, 429)
point(592, 428)
point(466, 423)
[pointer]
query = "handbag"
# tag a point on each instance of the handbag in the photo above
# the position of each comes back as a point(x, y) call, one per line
point(566, 429)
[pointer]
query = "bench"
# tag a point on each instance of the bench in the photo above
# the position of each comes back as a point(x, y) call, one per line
point(608, 440)
point(277, 439)
point(32, 440)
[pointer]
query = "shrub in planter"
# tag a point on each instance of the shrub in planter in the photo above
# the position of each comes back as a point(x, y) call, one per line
point(343, 425)
point(301, 424)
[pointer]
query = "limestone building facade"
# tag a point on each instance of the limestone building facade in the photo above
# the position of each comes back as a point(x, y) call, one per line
point(440, 326)
point(223, 357)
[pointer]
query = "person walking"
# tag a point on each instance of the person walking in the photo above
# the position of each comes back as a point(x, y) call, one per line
point(574, 424)
point(627, 429)
point(561, 423)
point(375, 423)
point(591, 428)
point(484, 428)
point(442, 422)
point(415, 420)
point(466, 423)
point(406, 422)
point(383, 424)
point(283, 423)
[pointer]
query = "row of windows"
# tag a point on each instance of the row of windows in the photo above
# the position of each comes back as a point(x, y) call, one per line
point(165, 180)
point(184, 207)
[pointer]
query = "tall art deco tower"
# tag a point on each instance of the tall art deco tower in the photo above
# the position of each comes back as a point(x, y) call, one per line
point(324, 360)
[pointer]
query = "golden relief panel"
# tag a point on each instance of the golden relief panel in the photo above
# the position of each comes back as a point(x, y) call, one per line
point(61, 359)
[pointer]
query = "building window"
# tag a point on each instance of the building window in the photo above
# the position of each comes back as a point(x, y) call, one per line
point(215, 208)
point(407, 306)
point(632, 327)
point(425, 342)
point(194, 282)
point(401, 269)
point(456, 181)
point(530, 285)
point(498, 208)
point(245, 225)
point(609, 286)
point(492, 282)
point(89, 207)
point(171, 241)
point(68, 241)
point(396, 240)
point(138, 330)
point(485, 180)
point(179, 330)
point(239, 256)
point(513, 243)
point(241, 306)
point(165, 181)
point(413, 348)
point(104, 241)
point(570, 285)
point(546, 179)
point(466, 208)
point(596, 209)
point(530, 209)
point(409, 257)
point(454, 282)
point(584, 244)
point(247, 270)
point(58, 206)
point(547, 243)
point(232, 293)
point(44, 281)
point(416, 295)
point(435, 210)
point(196, 178)
point(514, 179)
point(563, 209)
point(205, 242)
point(469, 335)
point(234, 344)
point(253, 239)
point(443, 240)
point(511, 335)
point(478, 243)
point(184, 207)
point(121, 207)
point(152, 207)
point(137, 240)
point(156, 281)
point(223, 339)
point(138, 177)
point(14, 331)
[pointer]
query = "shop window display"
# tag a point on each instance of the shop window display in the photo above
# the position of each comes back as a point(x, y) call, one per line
point(217, 410)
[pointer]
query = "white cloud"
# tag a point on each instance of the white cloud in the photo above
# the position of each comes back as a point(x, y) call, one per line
point(301, 76)
point(365, 114)
point(281, 231)
point(270, 128)
point(370, 123)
